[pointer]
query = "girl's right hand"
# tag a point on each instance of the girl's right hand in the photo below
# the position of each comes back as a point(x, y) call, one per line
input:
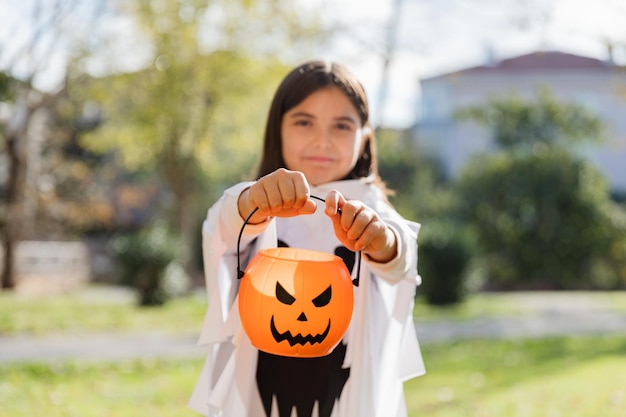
point(282, 193)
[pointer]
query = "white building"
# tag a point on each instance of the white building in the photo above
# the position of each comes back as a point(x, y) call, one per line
point(600, 86)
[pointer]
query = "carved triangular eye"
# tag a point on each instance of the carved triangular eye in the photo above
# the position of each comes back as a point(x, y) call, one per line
point(283, 296)
point(324, 298)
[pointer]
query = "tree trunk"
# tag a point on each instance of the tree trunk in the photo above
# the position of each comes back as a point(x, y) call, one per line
point(187, 230)
point(8, 267)
point(178, 171)
point(20, 152)
point(12, 220)
point(388, 55)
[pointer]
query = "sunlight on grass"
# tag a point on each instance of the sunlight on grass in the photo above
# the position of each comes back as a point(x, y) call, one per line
point(573, 377)
point(550, 377)
point(566, 393)
point(126, 389)
point(479, 305)
point(75, 313)
point(508, 304)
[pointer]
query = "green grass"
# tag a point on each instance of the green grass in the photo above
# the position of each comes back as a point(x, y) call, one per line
point(572, 376)
point(484, 305)
point(124, 389)
point(76, 312)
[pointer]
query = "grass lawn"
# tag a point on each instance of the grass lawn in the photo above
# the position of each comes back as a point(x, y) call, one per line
point(568, 377)
point(573, 377)
point(77, 312)
point(87, 311)
point(121, 389)
point(551, 377)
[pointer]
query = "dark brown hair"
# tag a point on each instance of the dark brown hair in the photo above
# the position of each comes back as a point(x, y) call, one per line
point(301, 82)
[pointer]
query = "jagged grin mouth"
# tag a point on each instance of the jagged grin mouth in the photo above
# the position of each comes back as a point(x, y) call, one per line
point(298, 339)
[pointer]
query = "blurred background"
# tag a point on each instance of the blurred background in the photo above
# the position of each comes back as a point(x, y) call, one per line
point(501, 128)
point(505, 117)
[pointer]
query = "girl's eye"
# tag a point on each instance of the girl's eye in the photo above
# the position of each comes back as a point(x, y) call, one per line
point(303, 123)
point(344, 126)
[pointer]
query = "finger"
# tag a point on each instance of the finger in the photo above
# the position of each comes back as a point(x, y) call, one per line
point(258, 199)
point(370, 233)
point(302, 191)
point(349, 211)
point(293, 187)
point(359, 224)
point(309, 207)
point(274, 198)
point(333, 201)
point(287, 190)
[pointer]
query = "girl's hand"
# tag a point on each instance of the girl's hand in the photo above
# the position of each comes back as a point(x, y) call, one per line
point(282, 193)
point(359, 228)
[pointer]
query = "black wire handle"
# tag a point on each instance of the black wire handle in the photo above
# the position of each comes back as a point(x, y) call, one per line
point(240, 273)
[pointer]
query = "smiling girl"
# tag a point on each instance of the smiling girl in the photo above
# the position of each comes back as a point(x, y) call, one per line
point(318, 142)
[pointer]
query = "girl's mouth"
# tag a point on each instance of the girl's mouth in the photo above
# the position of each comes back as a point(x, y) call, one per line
point(319, 159)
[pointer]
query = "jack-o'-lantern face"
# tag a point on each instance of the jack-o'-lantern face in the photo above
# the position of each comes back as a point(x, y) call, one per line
point(314, 335)
point(295, 302)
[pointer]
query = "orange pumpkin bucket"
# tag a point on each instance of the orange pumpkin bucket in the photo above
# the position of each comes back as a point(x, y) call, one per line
point(295, 302)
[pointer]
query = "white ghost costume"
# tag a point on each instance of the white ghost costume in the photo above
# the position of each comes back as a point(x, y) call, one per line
point(382, 346)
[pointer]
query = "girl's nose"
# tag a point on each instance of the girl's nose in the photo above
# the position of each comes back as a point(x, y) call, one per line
point(323, 138)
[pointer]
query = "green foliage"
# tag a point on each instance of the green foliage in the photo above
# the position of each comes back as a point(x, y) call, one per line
point(543, 217)
point(144, 257)
point(7, 94)
point(6, 83)
point(519, 123)
point(543, 221)
point(445, 251)
point(194, 113)
point(197, 110)
point(417, 183)
point(420, 194)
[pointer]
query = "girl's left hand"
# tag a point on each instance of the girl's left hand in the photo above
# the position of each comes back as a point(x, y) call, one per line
point(359, 228)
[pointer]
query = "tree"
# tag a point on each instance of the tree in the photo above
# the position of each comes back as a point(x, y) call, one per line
point(194, 112)
point(416, 181)
point(519, 125)
point(27, 59)
point(420, 194)
point(542, 215)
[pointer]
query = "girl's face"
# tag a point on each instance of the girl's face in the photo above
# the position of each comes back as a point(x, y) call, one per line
point(322, 136)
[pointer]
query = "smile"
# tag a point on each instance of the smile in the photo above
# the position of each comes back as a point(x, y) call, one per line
point(319, 159)
point(298, 339)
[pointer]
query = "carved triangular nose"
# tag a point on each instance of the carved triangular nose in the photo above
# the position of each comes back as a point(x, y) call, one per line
point(302, 317)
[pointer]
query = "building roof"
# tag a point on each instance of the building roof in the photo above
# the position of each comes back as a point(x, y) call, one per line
point(540, 60)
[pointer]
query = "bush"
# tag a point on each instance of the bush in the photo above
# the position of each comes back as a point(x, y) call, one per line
point(545, 221)
point(444, 255)
point(144, 258)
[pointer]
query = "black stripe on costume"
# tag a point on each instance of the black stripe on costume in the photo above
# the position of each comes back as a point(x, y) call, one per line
point(301, 382)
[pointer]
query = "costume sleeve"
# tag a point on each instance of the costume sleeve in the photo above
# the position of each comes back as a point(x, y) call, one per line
point(404, 266)
point(221, 329)
point(220, 231)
